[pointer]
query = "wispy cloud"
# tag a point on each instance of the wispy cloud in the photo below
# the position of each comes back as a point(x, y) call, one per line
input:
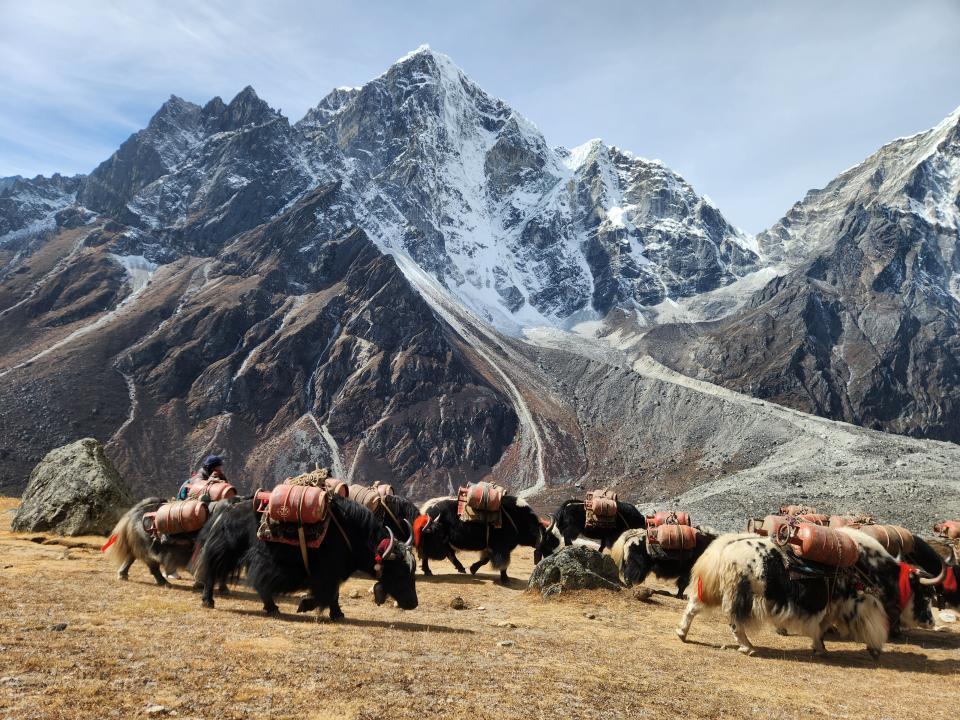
point(753, 101)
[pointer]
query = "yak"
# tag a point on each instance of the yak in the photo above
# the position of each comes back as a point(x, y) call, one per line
point(569, 522)
point(754, 579)
point(355, 541)
point(636, 559)
point(444, 533)
point(130, 542)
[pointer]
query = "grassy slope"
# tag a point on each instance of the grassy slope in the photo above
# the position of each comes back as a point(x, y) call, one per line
point(130, 645)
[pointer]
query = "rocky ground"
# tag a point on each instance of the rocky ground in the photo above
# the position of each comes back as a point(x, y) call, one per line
point(76, 643)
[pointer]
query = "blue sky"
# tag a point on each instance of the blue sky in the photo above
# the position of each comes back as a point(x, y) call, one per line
point(753, 102)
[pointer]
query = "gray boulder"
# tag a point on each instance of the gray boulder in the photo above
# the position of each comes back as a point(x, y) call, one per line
point(74, 490)
point(574, 568)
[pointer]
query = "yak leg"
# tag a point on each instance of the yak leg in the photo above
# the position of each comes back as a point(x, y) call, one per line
point(694, 606)
point(157, 575)
point(269, 606)
point(484, 559)
point(452, 557)
point(125, 568)
point(425, 565)
point(682, 583)
point(746, 647)
point(334, 602)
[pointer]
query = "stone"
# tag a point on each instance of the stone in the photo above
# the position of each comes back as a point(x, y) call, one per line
point(506, 643)
point(153, 710)
point(74, 490)
point(58, 627)
point(575, 568)
point(458, 603)
point(643, 594)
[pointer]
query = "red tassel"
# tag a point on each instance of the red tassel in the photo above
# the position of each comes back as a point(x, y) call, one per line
point(950, 581)
point(905, 590)
point(700, 589)
point(111, 541)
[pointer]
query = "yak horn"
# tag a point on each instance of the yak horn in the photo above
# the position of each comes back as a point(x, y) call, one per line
point(390, 546)
point(934, 580)
point(409, 542)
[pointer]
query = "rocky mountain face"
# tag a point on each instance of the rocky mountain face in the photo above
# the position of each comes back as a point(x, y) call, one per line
point(350, 290)
point(862, 323)
point(521, 233)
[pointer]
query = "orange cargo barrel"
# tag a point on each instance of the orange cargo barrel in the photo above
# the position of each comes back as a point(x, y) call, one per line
point(215, 489)
point(297, 504)
point(673, 537)
point(337, 487)
point(896, 540)
point(183, 516)
point(668, 517)
point(821, 544)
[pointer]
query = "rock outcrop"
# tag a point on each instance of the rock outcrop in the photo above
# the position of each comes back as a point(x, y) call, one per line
point(576, 567)
point(75, 490)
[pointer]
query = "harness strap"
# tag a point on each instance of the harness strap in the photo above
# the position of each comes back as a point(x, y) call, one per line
point(303, 548)
point(333, 516)
point(385, 506)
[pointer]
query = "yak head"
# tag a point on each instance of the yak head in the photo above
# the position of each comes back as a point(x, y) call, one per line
point(395, 570)
point(550, 540)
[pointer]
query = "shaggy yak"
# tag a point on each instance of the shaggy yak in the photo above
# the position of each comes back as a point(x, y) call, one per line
point(569, 522)
point(355, 541)
point(636, 559)
point(130, 542)
point(442, 532)
point(754, 581)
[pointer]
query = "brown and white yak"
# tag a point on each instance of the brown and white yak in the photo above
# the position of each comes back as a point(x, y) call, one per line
point(636, 559)
point(130, 542)
point(754, 580)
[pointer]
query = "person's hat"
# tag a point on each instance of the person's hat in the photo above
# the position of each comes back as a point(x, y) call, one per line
point(212, 462)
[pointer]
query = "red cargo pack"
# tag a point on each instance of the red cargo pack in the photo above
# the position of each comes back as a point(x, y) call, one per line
point(668, 517)
point(480, 502)
point(366, 496)
point(820, 544)
point(896, 540)
point(337, 487)
point(297, 504)
point(601, 508)
point(176, 518)
point(949, 529)
point(383, 489)
point(673, 537)
point(797, 510)
point(214, 489)
point(768, 526)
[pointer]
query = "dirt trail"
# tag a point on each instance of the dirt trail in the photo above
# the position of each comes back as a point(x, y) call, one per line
point(471, 329)
point(129, 645)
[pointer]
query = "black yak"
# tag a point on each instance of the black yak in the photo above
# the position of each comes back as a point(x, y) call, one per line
point(445, 532)
point(355, 541)
point(569, 522)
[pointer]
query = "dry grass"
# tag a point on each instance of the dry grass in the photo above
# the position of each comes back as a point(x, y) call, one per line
point(128, 645)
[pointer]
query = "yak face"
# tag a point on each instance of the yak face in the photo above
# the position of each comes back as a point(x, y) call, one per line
point(395, 570)
point(918, 608)
point(550, 540)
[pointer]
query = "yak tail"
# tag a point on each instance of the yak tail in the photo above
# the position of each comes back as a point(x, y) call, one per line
point(706, 576)
point(119, 548)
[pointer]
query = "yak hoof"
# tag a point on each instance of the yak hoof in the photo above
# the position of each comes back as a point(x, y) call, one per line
point(336, 615)
point(224, 590)
point(874, 653)
point(427, 573)
point(207, 603)
point(307, 604)
point(747, 650)
point(681, 634)
point(272, 612)
point(122, 576)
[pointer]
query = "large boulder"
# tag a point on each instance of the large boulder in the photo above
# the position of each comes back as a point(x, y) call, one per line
point(74, 490)
point(576, 567)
